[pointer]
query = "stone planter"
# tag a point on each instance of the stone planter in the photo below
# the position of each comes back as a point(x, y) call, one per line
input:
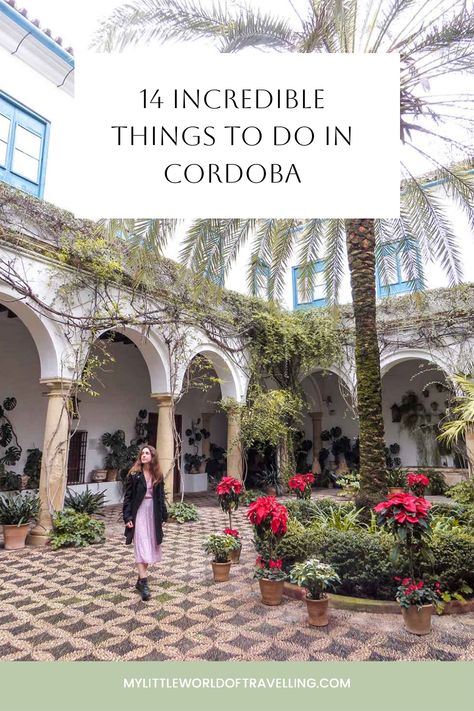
point(417, 620)
point(221, 571)
point(15, 536)
point(318, 612)
point(271, 591)
point(235, 555)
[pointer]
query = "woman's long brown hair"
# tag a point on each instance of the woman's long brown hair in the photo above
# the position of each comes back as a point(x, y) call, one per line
point(156, 473)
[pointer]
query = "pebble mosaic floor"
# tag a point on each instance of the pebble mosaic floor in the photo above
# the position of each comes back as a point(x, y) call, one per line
point(80, 605)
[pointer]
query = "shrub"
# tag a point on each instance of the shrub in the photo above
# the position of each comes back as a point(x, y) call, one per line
point(181, 512)
point(462, 493)
point(454, 510)
point(362, 561)
point(437, 486)
point(306, 511)
point(302, 510)
point(85, 502)
point(294, 546)
point(71, 528)
point(338, 518)
point(453, 559)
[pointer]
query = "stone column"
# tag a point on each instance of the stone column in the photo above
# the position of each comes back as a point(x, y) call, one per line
point(316, 417)
point(234, 446)
point(53, 476)
point(165, 440)
point(206, 425)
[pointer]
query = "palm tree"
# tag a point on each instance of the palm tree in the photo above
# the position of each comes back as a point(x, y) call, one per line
point(434, 39)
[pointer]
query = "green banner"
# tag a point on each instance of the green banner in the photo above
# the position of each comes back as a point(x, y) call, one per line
point(327, 686)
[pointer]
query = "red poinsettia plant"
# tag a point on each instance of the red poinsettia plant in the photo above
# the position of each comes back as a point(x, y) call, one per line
point(417, 483)
point(417, 592)
point(228, 492)
point(404, 512)
point(268, 516)
point(301, 485)
point(407, 517)
point(269, 569)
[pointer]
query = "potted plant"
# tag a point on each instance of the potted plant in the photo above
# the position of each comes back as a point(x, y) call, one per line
point(16, 514)
point(270, 522)
point(220, 546)
point(417, 483)
point(228, 493)
point(396, 481)
point(271, 577)
point(416, 599)
point(235, 555)
point(119, 458)
point(301, 485)
point(317, 578)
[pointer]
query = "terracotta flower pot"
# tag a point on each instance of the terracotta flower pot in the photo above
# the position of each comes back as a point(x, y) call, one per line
point(271, 591)
point(318, 612)
point(15, 536)
point(417, 620)
point(112, 475)
point(395, 490)
point(221, 571)
point(235, 555)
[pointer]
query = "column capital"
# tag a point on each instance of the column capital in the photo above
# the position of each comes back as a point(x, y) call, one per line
point(57, 386)
point(162, 399)
point(316, 415)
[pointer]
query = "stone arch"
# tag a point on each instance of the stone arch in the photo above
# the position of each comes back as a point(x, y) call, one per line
point(50, 349)
point(231, 382)
point(392, 359)
point(343, 375)
point(154, 353)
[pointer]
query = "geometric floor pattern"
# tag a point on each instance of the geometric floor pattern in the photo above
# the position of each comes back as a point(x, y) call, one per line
point(80, 604)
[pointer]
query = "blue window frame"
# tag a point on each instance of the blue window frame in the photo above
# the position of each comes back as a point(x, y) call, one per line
point(316, 294)
point(396, 280)
point(24, 140)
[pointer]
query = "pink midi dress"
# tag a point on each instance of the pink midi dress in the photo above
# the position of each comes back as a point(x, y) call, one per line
point(147, 550)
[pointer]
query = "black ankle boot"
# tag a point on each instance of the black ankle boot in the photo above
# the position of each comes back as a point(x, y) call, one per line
point(142, 587)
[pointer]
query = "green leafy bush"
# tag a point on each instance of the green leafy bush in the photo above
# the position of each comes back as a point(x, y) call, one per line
point(85, 502)
point(453, 559)
point(339, 518)
point(181, 512)
point(307, 511)
point(438, 485)
point(71, 528)
point(462, 493)
point(362, 561)
point(296, 545)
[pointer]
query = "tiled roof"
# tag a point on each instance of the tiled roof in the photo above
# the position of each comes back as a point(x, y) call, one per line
point(37, 24)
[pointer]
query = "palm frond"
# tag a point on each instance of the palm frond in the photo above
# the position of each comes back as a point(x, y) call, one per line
point(144, 21)
point(424, 214)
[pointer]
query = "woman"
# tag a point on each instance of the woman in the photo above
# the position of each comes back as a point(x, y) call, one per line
point(144, 512)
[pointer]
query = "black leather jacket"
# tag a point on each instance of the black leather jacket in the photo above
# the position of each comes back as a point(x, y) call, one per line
point(135, 490)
